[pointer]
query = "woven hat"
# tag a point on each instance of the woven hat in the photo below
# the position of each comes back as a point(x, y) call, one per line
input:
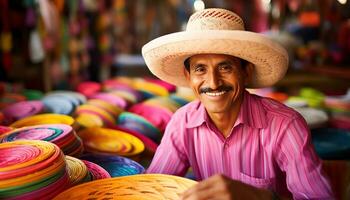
point(215, 31)
point(136, 187)
point(31, 169)
point(77, 171)
point(115, 165)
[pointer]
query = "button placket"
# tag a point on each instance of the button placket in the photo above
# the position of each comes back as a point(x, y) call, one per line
point(224, 151)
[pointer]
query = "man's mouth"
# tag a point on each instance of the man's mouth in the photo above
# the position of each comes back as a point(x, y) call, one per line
point(215, 94)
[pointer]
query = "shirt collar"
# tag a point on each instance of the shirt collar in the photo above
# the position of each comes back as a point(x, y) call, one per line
point(197, 116)
point(251, 113)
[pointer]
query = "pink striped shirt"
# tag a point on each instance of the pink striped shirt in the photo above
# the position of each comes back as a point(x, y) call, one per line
point(269, 147)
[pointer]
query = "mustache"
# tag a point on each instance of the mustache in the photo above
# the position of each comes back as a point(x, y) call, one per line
point(221, 88)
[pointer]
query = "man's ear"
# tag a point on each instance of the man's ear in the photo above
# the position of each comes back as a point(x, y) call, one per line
point(187, 74)
point(249, 70)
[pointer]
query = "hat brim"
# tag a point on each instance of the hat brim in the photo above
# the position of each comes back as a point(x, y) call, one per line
point(165, 55)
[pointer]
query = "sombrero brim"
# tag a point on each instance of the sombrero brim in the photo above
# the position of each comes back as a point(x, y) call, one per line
point(165, 55)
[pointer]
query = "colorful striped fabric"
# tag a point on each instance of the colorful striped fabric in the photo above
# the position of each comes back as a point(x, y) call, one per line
point(269, 147)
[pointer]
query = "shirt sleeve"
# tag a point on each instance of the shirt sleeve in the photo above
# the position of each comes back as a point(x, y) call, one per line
point(170, 157)
point(296, 156)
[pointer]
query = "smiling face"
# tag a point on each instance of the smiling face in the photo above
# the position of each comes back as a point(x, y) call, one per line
point(218, 81)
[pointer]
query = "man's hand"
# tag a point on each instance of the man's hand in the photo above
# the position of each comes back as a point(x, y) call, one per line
point(222, 187)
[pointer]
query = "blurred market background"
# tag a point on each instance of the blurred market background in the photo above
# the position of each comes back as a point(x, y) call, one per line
point(73, 81)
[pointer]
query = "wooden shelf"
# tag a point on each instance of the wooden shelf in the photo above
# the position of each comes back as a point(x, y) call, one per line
point(331, 71)
point(325, 78)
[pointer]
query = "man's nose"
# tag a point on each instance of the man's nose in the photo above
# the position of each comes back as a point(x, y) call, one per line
point(213, 80)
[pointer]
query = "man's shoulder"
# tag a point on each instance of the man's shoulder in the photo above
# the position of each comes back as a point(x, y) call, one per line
point(184, 115)
point(275, 108)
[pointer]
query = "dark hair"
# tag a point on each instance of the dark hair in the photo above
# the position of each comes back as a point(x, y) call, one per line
point(244, 63)
point(187, 64)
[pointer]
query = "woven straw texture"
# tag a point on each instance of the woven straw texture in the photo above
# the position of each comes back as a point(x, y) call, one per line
point(215, 31)
point(137, 187)
point(77, 170)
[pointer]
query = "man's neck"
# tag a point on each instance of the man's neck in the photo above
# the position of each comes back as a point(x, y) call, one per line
point(225, 121)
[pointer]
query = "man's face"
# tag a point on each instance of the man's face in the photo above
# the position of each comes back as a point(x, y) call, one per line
point(217, 80)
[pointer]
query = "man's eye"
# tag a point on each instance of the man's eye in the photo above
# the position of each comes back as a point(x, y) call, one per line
point(199, 69)
point(225, 68)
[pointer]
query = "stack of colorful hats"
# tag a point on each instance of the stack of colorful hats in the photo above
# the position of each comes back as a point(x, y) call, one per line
point(163, 102)
point(63, 102)
point(145, 186)
point(179, 99)
point(139, 124)
point(339, 108)
point(149, 88)
point(31, 169)
point(115, 165)
point(185, 93)
point(45, 119)
point(120, 122)
point(77, 171)
point(7, 99)
point(59, 105)
point(31, 94)
point(157, 116)
point(88, 88)
point(123, 89)
point(60, 134)
point(296, 102)
point(97, 112)
point(111, 98)
point(105, 103)
point(22, 109)
point(112, 110)
point(310, 104)
point(169, 87)
point(150, 145)
point(110, 141)
point(130, 98)
point(96, 171)
point(74, 97)
point(314, 98)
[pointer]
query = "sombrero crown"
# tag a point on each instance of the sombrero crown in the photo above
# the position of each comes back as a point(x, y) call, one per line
point(215, 31)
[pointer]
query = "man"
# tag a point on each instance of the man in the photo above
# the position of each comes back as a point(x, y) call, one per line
point(241, 146)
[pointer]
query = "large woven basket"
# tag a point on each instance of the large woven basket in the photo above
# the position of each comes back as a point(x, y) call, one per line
point(136, 187)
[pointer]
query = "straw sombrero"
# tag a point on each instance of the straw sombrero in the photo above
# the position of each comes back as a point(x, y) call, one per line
point(135, 187)
point(215, 31)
